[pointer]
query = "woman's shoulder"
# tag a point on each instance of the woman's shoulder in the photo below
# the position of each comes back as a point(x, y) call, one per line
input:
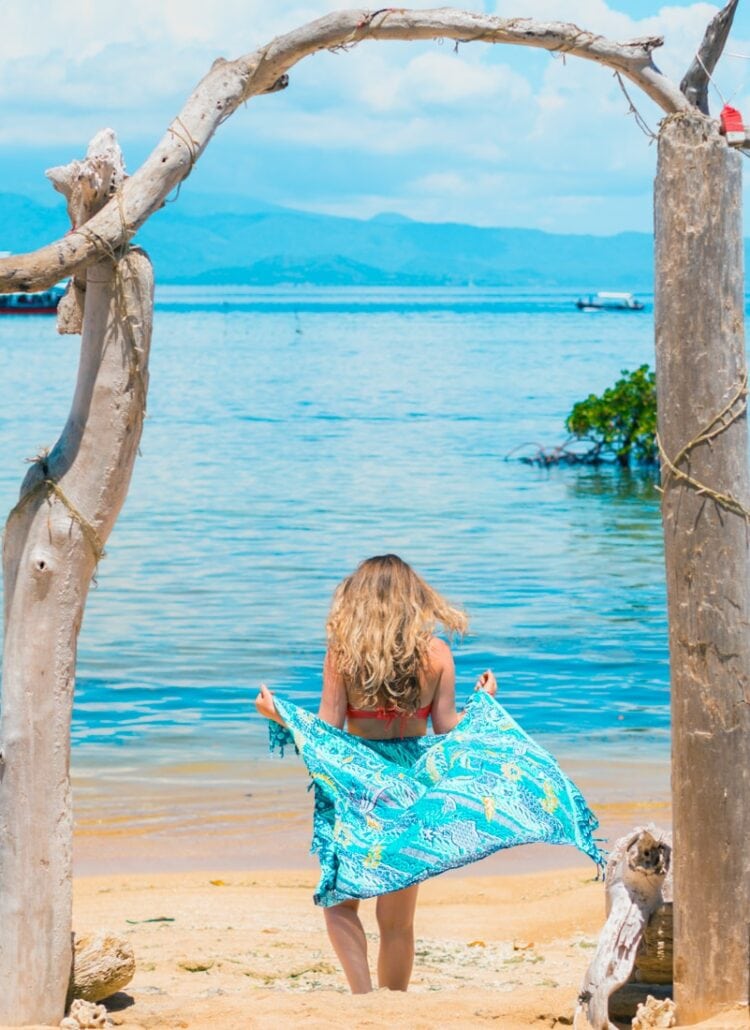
point(439, 654)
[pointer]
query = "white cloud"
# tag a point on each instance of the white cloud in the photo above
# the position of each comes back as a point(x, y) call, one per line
point(442, 79)
point(501, 198)
point(79, 28)
point(488, 134)
point(441, 183)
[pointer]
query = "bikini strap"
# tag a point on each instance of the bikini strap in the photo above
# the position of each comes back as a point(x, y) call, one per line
point(388, 716)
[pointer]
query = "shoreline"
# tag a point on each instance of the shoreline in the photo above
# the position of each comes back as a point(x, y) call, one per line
point(257, 815)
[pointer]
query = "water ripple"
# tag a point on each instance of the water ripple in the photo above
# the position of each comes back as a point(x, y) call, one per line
point(292, 433)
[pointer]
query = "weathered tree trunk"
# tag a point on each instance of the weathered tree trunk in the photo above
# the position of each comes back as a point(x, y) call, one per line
point(700, 359)
point(69, 502)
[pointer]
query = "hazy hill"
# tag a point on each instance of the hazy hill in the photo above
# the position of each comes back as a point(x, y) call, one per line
point(196, 240)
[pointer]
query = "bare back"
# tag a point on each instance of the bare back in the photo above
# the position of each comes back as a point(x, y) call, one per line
point(438, 690)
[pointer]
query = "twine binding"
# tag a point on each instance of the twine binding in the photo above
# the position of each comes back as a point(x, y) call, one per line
point(181, 132)
point(50, 486)
point(733, 410)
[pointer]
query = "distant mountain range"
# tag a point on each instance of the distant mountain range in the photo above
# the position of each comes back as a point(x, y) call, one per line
point(198, 240)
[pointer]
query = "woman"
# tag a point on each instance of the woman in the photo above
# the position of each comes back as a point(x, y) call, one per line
point(393, 806)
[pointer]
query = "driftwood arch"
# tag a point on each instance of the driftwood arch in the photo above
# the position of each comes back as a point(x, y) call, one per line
point(71, 496)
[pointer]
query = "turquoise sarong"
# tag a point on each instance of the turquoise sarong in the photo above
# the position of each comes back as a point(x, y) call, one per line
point(391, 813)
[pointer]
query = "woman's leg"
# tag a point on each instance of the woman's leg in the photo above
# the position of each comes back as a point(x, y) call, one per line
point(350, 944)
point(395, 913)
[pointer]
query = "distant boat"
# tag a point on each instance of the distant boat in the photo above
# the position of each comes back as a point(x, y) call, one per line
point(609, 302)
point(40, 302)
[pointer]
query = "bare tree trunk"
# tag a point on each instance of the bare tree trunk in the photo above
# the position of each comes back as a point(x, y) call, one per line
point(69, 502)
point(700, 357)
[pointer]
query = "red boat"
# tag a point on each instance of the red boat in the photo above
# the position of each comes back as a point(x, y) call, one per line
point(41, 302)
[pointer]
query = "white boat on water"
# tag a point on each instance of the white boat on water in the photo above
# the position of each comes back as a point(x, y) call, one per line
point(607, 301)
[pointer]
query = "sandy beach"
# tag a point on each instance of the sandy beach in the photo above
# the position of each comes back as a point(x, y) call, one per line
point(249, 950)
point(234, 950)
point(192, 864)
point(207, 873)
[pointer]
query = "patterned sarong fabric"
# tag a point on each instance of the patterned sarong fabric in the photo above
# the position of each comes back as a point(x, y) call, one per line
point(391, 813)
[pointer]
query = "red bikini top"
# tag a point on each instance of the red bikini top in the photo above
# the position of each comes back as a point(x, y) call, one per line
point(389, 714)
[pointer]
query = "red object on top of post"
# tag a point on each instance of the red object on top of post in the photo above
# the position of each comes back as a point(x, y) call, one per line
point(732, 125)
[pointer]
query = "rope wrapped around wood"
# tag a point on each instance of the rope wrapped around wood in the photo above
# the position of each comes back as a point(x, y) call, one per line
point(51, 487)
point(48, 483)
point(734, 409)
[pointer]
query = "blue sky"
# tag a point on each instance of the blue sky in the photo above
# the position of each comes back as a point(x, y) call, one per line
point(490, 135)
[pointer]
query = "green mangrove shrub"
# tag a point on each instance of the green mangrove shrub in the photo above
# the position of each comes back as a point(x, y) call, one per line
point(622, 420)
point(618, 425)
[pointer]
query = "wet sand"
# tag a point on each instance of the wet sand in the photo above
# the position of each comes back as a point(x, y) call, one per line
point(258, 815)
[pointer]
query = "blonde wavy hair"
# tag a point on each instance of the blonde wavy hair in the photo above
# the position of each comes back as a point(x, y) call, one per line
point(381, 621)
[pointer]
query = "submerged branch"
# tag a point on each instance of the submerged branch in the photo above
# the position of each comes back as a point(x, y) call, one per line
point(565, 453)
point(560, 454)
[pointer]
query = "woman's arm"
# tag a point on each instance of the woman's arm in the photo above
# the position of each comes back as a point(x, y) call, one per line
point(333, 700)
point(444, 714)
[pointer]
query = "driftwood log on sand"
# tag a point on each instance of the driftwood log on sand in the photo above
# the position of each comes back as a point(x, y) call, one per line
point(103, 963)
point(636, 885)
point(653, 974)
point(654, 963)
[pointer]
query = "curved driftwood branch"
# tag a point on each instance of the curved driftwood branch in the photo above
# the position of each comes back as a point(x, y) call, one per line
point(698, 75)
point(635, 887)
point(229, 83)
point(54, 537)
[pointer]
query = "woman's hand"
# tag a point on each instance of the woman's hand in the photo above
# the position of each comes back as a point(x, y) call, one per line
point(487, 683)
point(264, 703)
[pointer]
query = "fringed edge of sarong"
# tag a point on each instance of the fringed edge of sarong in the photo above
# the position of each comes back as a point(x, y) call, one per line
point(280, 737)
point(585, 824)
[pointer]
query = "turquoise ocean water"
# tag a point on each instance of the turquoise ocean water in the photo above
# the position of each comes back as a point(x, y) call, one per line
point(292, 432)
